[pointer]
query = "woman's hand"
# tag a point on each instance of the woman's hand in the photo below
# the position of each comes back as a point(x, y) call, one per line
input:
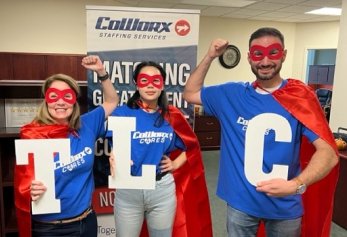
point(94, 63)
point(112, 162)
point(37, 189)
point(110, 95)
point(166, 164)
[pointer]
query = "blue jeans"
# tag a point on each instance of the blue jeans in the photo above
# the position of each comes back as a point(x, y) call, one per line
point(240, 224)
point(157, 206)
point(87, 227)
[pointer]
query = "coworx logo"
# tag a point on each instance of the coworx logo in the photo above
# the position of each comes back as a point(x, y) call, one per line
point(182, 27)
point(132, 24)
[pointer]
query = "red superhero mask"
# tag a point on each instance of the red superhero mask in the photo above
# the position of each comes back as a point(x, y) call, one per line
point(144, 80)
point(53, 95)
point(273, 52)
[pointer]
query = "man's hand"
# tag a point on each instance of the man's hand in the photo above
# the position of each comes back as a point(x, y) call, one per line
point(217, 48)
point(277, 187)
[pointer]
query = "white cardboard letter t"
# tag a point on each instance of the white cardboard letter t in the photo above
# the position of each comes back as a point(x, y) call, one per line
point(43, 150)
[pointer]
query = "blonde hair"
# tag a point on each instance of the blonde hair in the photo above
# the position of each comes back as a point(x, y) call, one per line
point(43, 116)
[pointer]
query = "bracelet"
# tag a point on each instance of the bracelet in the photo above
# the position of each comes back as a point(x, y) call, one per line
point(104, 77)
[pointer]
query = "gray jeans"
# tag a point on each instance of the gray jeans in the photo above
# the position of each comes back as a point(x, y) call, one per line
point(242, 224)
point(157, 206)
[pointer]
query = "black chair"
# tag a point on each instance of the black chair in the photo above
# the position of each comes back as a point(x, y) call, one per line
point(324, 96)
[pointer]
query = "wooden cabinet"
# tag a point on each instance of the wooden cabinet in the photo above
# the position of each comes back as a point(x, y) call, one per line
point(21, 76)
point(340, 204)
point(70, 65)
point(207, 129)
point(5, 69)
point(26, 66)
point(7, 161)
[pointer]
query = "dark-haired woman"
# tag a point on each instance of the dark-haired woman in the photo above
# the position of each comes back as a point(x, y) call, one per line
point(158, 207)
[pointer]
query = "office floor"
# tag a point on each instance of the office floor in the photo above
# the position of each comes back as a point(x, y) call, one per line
point(218, 208)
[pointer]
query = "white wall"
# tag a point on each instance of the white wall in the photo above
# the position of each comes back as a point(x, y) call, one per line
point(322, 35)
point(339, 108)
point(42, 26)
point(51, 26)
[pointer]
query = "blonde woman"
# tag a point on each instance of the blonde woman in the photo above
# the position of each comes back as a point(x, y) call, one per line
point(59, 117)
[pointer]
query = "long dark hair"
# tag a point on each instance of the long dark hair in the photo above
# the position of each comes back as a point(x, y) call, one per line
point(162, 100)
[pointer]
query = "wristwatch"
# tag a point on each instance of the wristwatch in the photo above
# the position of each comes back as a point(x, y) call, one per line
point(301, 186)
point(104, 77)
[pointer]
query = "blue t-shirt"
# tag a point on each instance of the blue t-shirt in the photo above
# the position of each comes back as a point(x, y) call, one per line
point(74, 182)
point(148, 142)
point(235, 105)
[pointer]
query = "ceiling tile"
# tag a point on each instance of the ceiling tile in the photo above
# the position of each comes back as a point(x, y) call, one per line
point(267, 6)
point(217, 11)
point(276, 10)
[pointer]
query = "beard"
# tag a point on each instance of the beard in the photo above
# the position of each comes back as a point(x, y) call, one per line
point(269, 76)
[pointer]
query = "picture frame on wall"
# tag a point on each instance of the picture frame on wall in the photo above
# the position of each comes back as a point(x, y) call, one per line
point(20, 111)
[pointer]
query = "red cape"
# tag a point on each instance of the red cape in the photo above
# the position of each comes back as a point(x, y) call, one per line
point(193, 215)
point(301, 101)
point(24, 174)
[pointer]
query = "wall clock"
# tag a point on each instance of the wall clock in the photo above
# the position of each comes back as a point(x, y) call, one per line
point(231, 57)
